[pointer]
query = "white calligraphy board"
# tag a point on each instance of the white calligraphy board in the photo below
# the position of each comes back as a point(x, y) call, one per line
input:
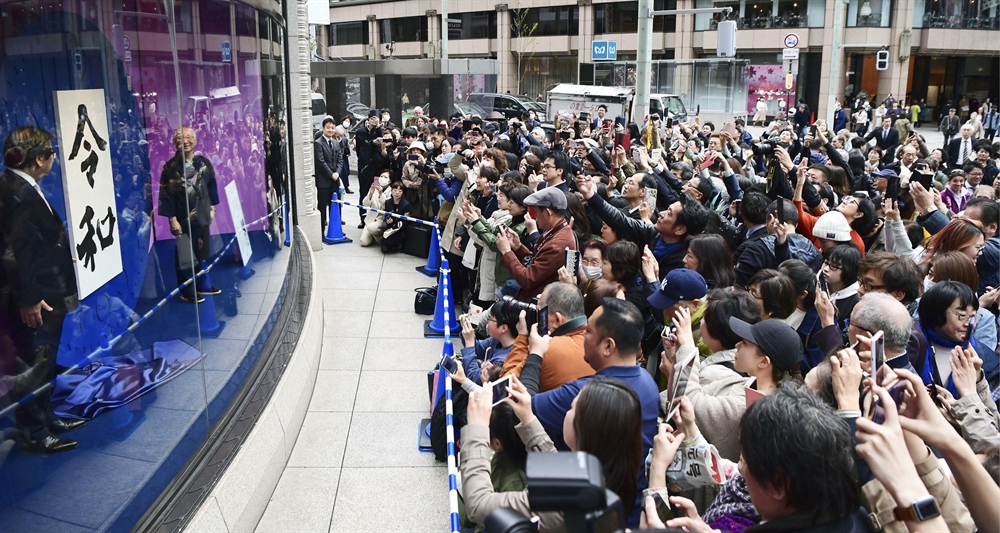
point(88, 187)
point(236, 210)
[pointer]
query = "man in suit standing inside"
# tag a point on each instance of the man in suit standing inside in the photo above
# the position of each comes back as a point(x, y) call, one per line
point(886, 138)
point(329, 160)
point(961, 148)
point(38, 265)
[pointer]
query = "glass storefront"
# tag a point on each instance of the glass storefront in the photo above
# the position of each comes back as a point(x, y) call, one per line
point(759, 15)
point(143, 242)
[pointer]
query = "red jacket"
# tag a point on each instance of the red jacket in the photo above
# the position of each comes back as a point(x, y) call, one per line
point(543, 269)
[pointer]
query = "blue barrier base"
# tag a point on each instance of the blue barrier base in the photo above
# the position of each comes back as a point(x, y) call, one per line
point(430, 332)
point(245, 273)
point(214, 332)
point(430, 273)
point(342, 240)
point(424, 436)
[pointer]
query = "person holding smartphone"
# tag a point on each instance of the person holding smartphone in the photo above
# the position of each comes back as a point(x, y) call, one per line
point(947, 319)
point(493, 350)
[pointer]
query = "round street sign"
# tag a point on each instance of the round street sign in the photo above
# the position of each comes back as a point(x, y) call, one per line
point(791, 40)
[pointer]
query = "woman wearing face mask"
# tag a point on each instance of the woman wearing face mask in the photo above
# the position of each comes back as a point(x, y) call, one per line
point(345, 146)
point(393, 227)
point(603, 407)
point(376, 197)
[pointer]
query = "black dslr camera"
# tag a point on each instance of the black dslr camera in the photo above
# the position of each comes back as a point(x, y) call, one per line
point(568, 482)
point(766, 148)
point(511, 308)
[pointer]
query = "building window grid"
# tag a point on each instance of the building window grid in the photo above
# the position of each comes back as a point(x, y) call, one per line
point(346, 33)
point(403, 29)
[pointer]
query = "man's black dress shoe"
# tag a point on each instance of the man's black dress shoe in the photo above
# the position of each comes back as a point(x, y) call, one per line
point(361, 225)
point(348, 191)
point(60, 426)
point(50, 444)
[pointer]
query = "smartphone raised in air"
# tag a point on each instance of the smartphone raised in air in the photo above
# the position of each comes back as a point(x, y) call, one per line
point(500, 392)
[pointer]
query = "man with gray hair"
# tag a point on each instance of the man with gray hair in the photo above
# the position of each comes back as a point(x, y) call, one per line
point(881, 312)
point(564, 361)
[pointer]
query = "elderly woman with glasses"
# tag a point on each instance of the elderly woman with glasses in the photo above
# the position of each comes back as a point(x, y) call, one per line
point(947, 320)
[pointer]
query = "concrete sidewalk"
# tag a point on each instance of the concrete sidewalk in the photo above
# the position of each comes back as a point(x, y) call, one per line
point(355, 465)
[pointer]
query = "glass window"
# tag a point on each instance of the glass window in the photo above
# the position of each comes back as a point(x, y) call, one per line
point(403, 30)
point(620, 17)
point(869, 13)
point(349, 33)
point(545, 21)
point(246, 21)
point(478, 25)
point(214, 16)
point(749, 14)
point(971, 14)
point(156, 166)
point(668, 23)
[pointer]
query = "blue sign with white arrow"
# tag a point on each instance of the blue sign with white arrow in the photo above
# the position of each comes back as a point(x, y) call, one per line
point(227, 52)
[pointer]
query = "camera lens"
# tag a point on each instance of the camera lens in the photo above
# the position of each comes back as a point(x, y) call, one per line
point(511, 308)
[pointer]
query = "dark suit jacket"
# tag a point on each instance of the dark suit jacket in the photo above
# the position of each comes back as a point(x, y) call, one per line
point(887, 144)
point(328, 160)
point(36, 247)
point(954, 151)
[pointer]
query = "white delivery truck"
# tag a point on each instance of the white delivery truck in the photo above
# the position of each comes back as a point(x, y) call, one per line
point(574, 99)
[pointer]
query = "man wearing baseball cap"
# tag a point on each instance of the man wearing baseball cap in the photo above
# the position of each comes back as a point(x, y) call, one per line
point(770, 351)
point(681, 286)
point(534, 272)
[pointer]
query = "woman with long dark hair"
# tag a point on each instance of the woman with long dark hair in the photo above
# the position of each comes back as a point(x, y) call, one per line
point(709, 256)
point(604, 407)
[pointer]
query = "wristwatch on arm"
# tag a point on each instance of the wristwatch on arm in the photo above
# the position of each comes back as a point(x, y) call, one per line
point(921, 510)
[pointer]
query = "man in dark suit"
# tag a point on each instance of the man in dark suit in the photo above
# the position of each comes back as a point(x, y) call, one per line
point(41, 290)
point(329, 159)
point(886, 138)
point(961, 148)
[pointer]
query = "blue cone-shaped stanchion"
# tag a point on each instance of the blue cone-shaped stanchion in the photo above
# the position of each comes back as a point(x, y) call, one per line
point(448, 350)
point(208, 322)
point(435, 327)
point(334, 231)
point(433, 255)
point(288, 229)
point(245, 272)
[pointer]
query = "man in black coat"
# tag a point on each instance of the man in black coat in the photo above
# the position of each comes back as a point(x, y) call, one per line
point(367, 140)
point(329, 159)
point(41, 284)
point(886, 138)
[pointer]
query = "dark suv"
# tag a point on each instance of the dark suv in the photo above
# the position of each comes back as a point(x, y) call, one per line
point(510, 105)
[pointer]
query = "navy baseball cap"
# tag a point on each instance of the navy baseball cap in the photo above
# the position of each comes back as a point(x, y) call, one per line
point(679, 284)
point(776, 339)
point(885, 173)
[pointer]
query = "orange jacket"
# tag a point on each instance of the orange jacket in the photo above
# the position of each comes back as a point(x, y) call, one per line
point(808, 220)
point(563, 362)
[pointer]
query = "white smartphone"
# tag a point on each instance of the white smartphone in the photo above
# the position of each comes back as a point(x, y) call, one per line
point(572, 261)
point(650, 198)
point(500, 392)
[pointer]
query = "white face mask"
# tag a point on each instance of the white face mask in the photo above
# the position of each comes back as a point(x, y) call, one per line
point(385, 118)
point(928, 284)
point(383, 182)
point(486, 163)
point(346, 123)
point(593, 273)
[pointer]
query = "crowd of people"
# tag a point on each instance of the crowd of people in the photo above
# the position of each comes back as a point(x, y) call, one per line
point(791, 332)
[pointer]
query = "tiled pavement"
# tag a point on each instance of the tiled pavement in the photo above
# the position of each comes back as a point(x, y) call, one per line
point(355, 463)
